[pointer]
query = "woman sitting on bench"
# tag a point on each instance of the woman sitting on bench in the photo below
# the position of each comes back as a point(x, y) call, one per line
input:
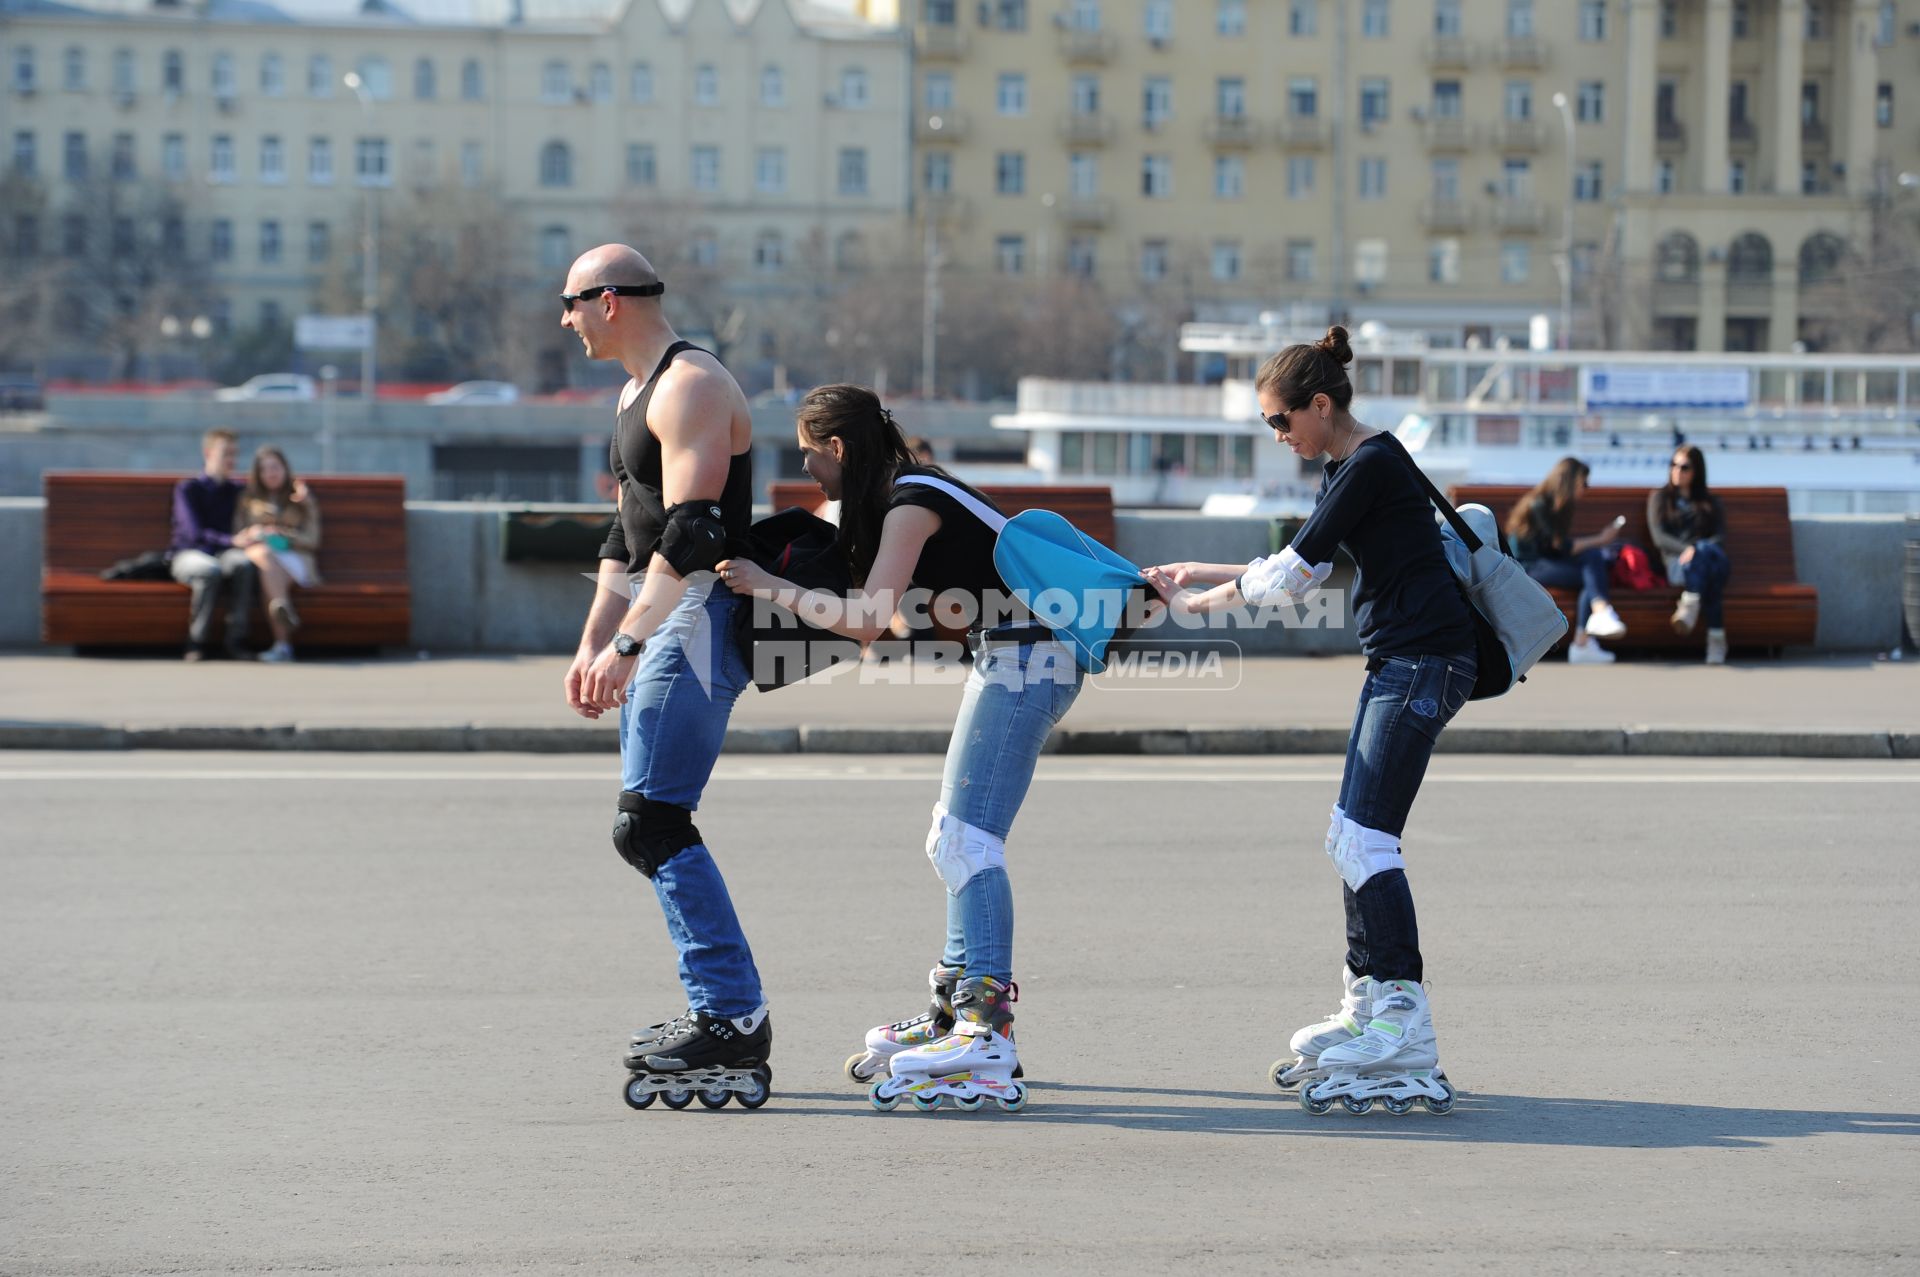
point(1687, 524)
point(1540, 532)
point(278, 524)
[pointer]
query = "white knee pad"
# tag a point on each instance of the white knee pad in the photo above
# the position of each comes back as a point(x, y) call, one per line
point(1282, 578)
point(959, 850)
point(1359, 852)
point(1333, 830)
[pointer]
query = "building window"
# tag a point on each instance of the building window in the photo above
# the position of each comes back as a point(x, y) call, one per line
point(25, 157)
point(1669, 19)
point(1446, 100)
point(556, 83)
point(1816, 11)
point(1010, 254)
point(940, 13)
point(1809, 103)
point(1303, 17)
point(73, 235)
point(472, 164)
point(1230, 98)
point(1443, 261)
point(273, 76)
point(26, 235)
point(320, 162)
point(556, 165)
point(1446, 17)
point(425, 83)
point(319, 242)
point(125, 239)
point(1736, 177)
point(220, 240)
point(1010, 173)
point(1370, 262)
point(1158, 21)
point(1810, 178)
point(1226, 260)
point(1083, 175)
point(556, 248)
point(1081, 256)
point(1299, 176)
point(1883, 105)
point(850, 253)
point(600, 82)
point(1374, 24)
point(219, 159)
point(125, 74)
point(1519, 19)
point(1590, 102)
point(773, 87)
point(1594, 20)
point(1883, 34)
point(273, 161)
point(1156, 177)
point(223, 80)
point(770, 170)
point(1663, 177)
point(1376, 98)
point(1010, 15)
point(706, 86)
point(937, 90)
point(854, 94)
point(1299, 260)
point(1516, 262)
point(1372, 177)
point(376, 77)
point(319, 76)
point(1737, 103)
point(769, 252)
point(1010, 95)
point(1519, 99)
point(937, 174)
point(705, 173)
point(1445, 183)
point(1742, 19)
point(1084, 15)
point(123, 168)
point(1230, 17)
point(269, 242)
point(1085, 93)
point(1153, 261)
point(370, 162)
point(472, 88)
point(25, 74)
point(1303, 97)
point(1229, 177)
point(1588, 180)
point(1157, 101)
point(1516, 178)
point(173, 157)
point(641, 169)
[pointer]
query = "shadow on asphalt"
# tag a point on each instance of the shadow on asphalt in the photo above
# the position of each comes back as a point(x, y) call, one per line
point(1476, 1119)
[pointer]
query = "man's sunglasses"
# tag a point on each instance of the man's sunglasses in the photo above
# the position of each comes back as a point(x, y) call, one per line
point(618, 290)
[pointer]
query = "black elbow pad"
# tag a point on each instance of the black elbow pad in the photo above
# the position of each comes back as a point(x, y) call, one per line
point(694, 539)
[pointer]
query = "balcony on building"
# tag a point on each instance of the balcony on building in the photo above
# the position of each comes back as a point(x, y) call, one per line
point(1086, 128)
point(1300, 134)
point(1086, 48)
point(1447, 134)
point(1519, 135)
point(1813, 133)
point(942, 126)
point(1523, 51)
point(1232, 130)
point(1676, 296)
point(1742, 138)
point(1519, 215)
point(1090, 211)
point(935, 43)
point(1446, 215)
point(1669, 135)
point(1448, 52)
point(1750, 291)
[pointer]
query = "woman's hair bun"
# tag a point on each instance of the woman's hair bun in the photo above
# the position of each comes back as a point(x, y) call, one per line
point(1335, 344)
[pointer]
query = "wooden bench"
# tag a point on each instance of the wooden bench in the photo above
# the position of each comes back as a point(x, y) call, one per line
point(1765, 605)
point(1088, 508)
point(94, 520)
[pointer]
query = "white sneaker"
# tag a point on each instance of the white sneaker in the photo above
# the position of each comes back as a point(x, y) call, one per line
point(1589, 653)
point(278, 654)
point(1716, 647)
point(1687, 614)
point(1605, 622)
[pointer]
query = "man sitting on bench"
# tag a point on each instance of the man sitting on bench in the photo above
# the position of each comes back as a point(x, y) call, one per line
point(203, 555)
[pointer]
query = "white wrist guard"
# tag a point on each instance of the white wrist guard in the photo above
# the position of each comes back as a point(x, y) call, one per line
point(1281, 578)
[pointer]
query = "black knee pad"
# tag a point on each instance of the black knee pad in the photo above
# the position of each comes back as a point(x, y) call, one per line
point(648, 834)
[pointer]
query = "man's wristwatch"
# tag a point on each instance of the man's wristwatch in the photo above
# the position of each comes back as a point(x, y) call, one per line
point(625, 644)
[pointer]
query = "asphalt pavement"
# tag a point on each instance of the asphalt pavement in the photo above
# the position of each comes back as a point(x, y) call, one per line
point(363, 1014)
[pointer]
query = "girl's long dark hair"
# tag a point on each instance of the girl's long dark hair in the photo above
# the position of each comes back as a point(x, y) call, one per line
point(875, 451)
point(1558, 488)
point(1697, 491)
point(256, 486)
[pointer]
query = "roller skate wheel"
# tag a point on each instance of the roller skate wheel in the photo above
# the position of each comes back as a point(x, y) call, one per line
point(636, 1094)
point(969, 1103)
point(854, 1074)
point(1443, 1105)
point(762, 1089)
point(1356, 1106)
point(1398, 1106)
point(1312, 1105)
point(713, 1097)
point(1279, 1072)
point(925, 1103)
point(1015, 1102)
point(885, 1103)
point(676, 1099)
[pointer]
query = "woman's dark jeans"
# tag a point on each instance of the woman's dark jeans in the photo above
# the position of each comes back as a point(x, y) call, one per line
point(1404, 704)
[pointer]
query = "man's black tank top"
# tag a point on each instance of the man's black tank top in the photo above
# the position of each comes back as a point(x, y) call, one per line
point(635, 459)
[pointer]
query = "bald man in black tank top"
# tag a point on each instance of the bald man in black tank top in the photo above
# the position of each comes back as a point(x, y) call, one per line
point(658, 647)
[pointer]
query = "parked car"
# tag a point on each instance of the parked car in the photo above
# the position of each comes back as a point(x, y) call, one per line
point(280, 387)
point(477, 392)
point(21, 392)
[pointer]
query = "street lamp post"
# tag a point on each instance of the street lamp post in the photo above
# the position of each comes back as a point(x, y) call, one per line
point(930, 303)
point(1566, 231)
point(369, 255)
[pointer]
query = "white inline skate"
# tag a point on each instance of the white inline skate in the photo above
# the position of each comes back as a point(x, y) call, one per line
point(888, 1040)
point(973, 1064)
point(1344, 1025)
point(1394, 1060)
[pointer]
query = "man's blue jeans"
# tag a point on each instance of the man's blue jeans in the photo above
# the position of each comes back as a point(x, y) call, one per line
point(1015, 695)
point(671, 729)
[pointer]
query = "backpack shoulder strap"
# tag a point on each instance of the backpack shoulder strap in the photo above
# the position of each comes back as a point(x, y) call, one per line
point(1459, 525)
point(974, 506)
